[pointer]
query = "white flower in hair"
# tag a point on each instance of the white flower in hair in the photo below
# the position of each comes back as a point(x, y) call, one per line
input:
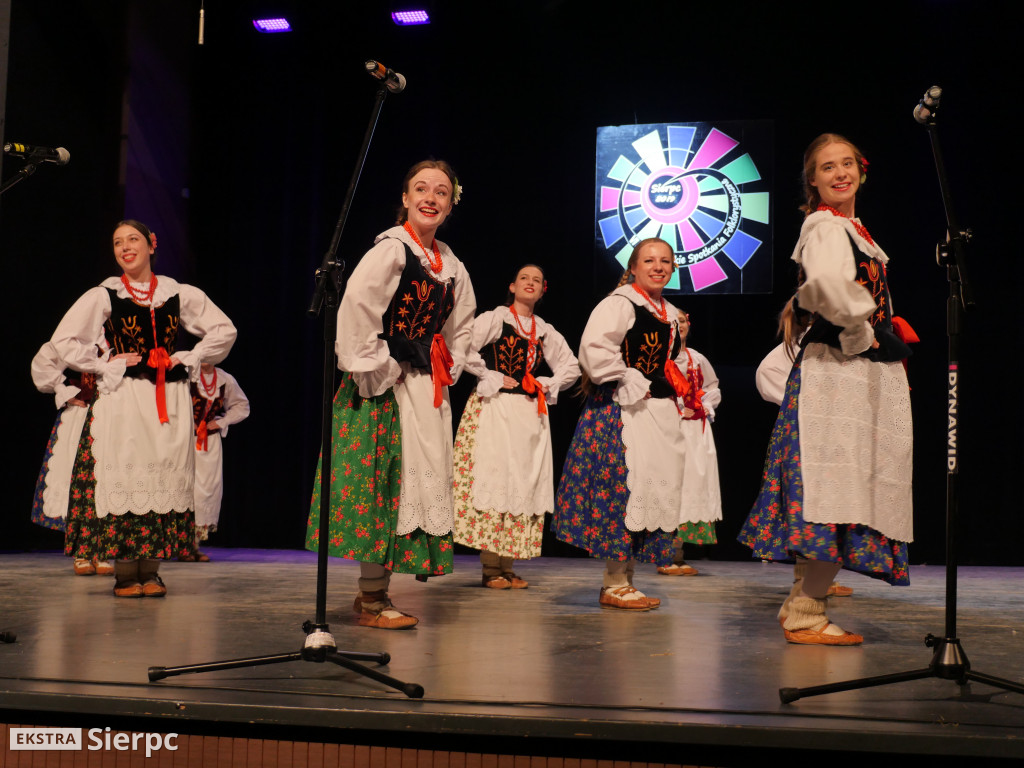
point(458, 193)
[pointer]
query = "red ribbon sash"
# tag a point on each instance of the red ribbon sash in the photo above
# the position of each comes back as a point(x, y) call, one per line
point(531, 385)
point(906, 334)
point(159, 359)
point(201, 435)
point(676, 379)
point(902, 329)
point(441, 363)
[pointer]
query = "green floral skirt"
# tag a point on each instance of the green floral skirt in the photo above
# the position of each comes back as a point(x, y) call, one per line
point(366, 478)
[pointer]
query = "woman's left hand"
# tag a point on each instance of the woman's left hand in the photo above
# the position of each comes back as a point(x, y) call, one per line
point(175, 361)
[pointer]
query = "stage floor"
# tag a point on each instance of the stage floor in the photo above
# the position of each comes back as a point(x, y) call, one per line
point(544, 663)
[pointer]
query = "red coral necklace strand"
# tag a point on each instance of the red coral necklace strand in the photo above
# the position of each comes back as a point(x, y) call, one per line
point(861, 229)
point(210, 388)
point(144, 298)
point(436, 263)
point(662, 312)
point(531, 336)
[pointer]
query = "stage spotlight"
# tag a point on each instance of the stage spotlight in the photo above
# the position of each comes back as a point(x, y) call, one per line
point(409, 16)
point(268, 26)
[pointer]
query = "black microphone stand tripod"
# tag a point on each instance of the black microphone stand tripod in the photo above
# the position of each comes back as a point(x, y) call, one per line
point(320, 646)
point(949, 661)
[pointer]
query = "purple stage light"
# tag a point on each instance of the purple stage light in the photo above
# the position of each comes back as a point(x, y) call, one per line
point(272, 25)
point(407, 18)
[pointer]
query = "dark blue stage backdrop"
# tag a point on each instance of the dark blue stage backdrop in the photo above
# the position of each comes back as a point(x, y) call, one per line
point(239, 151)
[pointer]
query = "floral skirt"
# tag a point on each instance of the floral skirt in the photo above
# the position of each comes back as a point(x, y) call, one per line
point(505, 534)
point(776, 530)
point(38, 515)
point(590, 506)
point(119, 537)
point(365, 491)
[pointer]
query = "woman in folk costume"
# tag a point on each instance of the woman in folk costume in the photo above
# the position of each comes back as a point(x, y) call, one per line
point(621, 492)
point(131, 488)
point(217, 403)
point(837, 483)
point(404, 328)
point(503, 474)
point(770, 379)
point(702, 495)
point(73, 392)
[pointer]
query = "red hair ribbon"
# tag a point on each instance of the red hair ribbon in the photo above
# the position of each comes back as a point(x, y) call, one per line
point(531, 385)
point(159, 359)
point(440, 367)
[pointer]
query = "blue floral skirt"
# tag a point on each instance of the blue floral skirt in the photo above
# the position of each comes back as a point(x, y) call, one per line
point(776, 530)
point(590, 507)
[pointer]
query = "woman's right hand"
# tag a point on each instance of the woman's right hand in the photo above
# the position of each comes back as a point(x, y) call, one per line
point(79, 403)
point(509, 383)
point(130, 358)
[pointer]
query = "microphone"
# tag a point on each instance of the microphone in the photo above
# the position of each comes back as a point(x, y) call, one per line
point(395, 81)
point(60, 156)
point(925, 110)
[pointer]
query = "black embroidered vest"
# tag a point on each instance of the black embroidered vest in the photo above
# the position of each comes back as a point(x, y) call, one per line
point(870, 274)
point(507, 355)
point(418, 310)
point(199, 403)
point(130, 329)
point(646, 349)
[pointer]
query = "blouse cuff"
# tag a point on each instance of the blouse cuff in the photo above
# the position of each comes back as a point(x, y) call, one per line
point(110, 379)
point(379, 381)
point(191, 361)
point(550, 390)
point(632, 388)
point(490, 384)
point(65, 392)
point(856, 340)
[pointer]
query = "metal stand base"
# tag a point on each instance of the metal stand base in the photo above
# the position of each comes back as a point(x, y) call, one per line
point(948, 662)
point(319, 647)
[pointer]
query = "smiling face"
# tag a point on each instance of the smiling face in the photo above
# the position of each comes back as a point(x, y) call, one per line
point(132, 251)
point(528, 286)
point(428, 201)
point(653, 267)
point(837, 176)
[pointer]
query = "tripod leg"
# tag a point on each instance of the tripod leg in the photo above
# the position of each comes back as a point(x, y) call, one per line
point(379, 658)
point(788, 695)
point(412, 690)
point(998, 682)
point(159, 673)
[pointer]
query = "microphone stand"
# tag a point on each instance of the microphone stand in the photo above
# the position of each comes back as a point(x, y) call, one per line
point(320, 646)
point(949, 661)
point(24, 173)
